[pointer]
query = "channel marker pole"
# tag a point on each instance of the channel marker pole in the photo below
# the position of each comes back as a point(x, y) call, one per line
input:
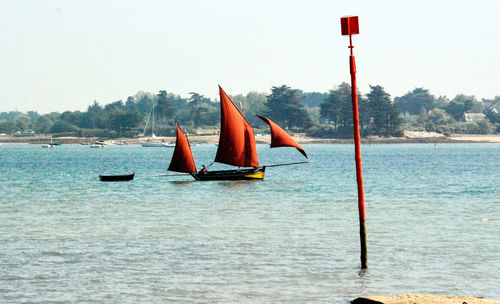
point(350, 26)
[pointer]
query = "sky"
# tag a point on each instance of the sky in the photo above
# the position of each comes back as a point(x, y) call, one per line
point(63, 55)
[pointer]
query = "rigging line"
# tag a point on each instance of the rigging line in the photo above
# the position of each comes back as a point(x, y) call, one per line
point(289, 164)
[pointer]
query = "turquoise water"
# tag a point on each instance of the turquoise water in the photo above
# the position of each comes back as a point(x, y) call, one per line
point(433, 222)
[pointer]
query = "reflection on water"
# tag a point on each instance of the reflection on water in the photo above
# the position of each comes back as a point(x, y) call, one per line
point(238, 184)
point(181, 183)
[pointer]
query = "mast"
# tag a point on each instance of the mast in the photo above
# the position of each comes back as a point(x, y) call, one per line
point(146, 126)
point(153, 122)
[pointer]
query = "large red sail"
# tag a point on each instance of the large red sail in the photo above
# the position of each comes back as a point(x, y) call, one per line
point(237, 140)
point(182, 159)
point(279, 138)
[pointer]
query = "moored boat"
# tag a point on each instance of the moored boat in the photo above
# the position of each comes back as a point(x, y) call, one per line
point(116, 178)
point(156, 144)
point(153, 141)
point(51, 144)
point(96, 145)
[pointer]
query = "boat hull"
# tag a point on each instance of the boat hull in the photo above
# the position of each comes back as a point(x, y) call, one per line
point(156, 145)
point(239, 174)
point(116, 178)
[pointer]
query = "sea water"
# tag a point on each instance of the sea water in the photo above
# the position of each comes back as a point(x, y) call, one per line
point(433, 222)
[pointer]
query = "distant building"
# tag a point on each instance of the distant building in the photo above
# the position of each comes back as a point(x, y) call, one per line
point(473, 117)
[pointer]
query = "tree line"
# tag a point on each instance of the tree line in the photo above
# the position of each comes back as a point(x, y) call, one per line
point(314, 113)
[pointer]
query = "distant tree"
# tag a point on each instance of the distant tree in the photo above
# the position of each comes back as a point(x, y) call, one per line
point(22, 124)
point(472, 105)
point(62, 126)
point(284, 106)
point(412, 102)
point(8, 126)
point(125, 119)
point(439, 117)
point(337, 107)
point(441, 102)
point(422, 117)
point(456, 110)
point(492, 115)
point(330, 108)
point(255, 103)
point(130, 103)
point(94, 117)
point(71, 117)
point(196, 99)
point(33, 114)
point(313, 99)
point(43, 125)
point(53, 115)
point(144, 102)
point(165, 106)
point(385, 114)
point(114, 107)
point(13, 115)
point(199, 107)
point(485, 127)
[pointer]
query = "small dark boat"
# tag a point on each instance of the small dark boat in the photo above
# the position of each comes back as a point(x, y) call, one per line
point(116, 178)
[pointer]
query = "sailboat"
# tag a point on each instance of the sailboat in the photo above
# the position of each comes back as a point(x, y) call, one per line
point(153, 141)
point(51, 144)
point(236, 147)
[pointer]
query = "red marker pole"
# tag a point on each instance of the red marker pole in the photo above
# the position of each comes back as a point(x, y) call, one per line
point(350, 26)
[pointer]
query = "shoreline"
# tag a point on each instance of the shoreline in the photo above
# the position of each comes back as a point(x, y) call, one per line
point(422, 299)
point(410, 137)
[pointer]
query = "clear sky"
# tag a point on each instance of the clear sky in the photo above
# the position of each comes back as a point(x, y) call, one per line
point(61, 55)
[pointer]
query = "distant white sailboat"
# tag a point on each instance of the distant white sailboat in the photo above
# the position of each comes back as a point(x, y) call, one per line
point(153, 141)
point(96, 145)
point(51, 144)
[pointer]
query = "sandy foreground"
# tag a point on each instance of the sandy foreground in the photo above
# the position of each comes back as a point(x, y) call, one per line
point(422, 299)
point(409, 137)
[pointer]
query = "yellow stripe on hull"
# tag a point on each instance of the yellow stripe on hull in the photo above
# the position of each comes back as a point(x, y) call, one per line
point(259, 175)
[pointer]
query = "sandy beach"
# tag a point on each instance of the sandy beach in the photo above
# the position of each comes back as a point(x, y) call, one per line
point(409, 137)
point(422, 299)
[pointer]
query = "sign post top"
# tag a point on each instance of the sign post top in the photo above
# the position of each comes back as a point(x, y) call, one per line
point(350, 25)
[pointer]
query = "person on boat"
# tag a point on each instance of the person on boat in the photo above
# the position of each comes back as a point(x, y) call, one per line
point(203, 170)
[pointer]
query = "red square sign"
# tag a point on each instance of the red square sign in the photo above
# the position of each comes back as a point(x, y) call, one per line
point(349, 25)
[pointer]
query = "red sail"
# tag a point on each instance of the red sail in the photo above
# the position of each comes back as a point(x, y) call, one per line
point(237, 140)
point(182, 159)
point(279, 138)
